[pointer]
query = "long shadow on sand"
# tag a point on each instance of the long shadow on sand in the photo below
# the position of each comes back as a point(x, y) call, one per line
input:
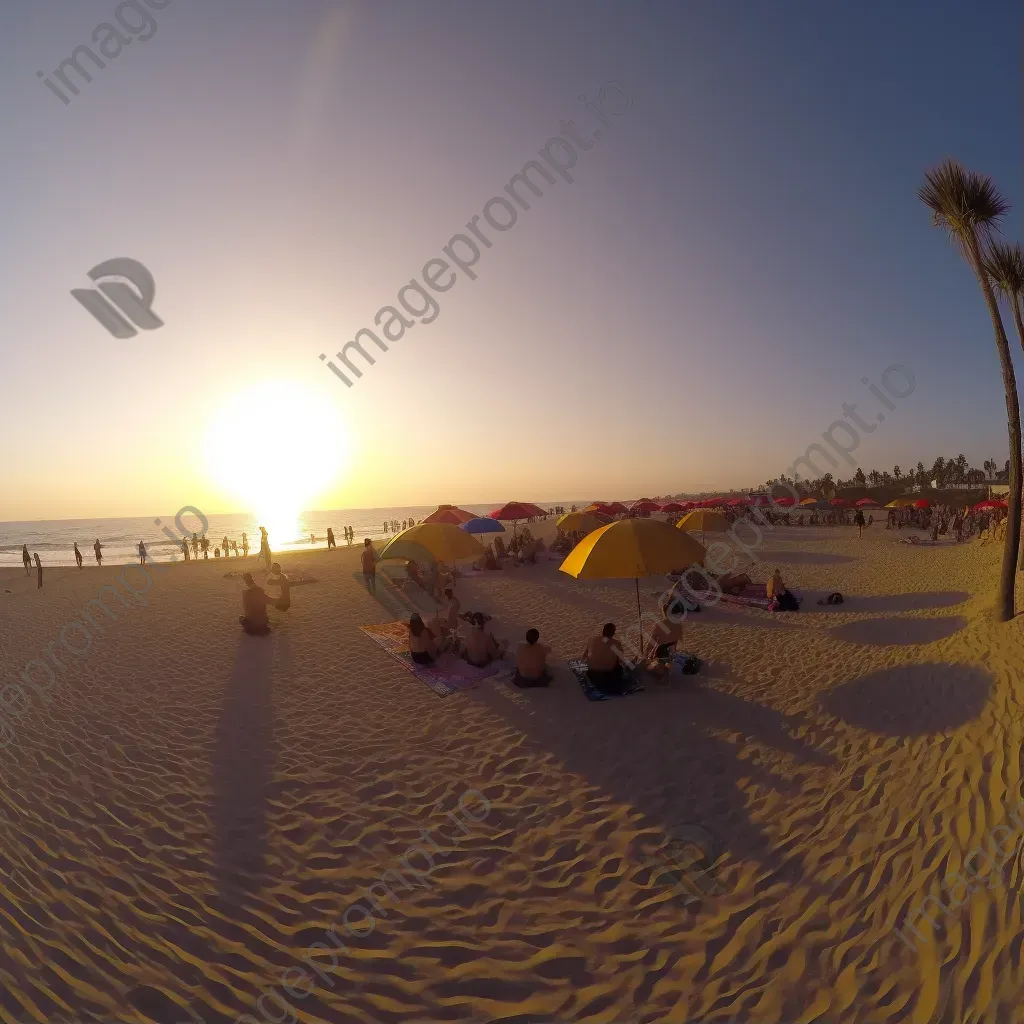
point(242, 761)
point(655, 752)
point(919, 602)
point(912, 700)
point(899, 632)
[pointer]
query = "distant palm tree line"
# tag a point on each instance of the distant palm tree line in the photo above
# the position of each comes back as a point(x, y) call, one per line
point(950, 472)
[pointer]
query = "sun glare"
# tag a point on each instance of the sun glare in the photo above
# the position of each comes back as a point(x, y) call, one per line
point(275, 449)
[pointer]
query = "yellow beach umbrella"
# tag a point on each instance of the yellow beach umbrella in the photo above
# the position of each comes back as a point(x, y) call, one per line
point(900, 503)
point(572, 522)
point(809, 501)
point(631, 549)
point(704, 519)
point(439, 542)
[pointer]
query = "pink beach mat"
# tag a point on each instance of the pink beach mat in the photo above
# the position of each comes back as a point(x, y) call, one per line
point(446, 676)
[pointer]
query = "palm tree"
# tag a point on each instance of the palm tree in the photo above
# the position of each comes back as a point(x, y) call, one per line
point(1005, 265)
point(968, 207)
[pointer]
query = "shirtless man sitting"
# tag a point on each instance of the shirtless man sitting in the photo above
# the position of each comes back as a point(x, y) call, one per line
point(480, 647)
point(606, 661)
point(531, 662)
point(254, 604)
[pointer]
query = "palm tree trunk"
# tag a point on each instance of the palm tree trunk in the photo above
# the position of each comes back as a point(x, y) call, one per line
point(1015, 306)
point(1011, 547)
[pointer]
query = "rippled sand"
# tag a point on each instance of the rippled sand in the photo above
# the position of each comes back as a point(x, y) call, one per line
point(193, 808)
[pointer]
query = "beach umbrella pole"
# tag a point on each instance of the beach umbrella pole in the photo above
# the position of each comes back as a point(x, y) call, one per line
point(639, 616)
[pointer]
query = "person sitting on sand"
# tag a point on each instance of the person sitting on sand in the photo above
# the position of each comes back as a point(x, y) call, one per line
point(422, 645)
point(480, 648)
point(733, 582)
point(774, 586)
point(451, 609)
point(278, 579)
point(531, 662)
point(412, 570)
point(254, 604)
point(606, 661)
point(665, 634)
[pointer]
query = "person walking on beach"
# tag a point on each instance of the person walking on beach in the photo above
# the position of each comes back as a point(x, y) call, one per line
point(369, 559)
point(245, 545)
point(224, 546)
point(858, 520)
point(78, 555)
point(184, 548)
point(195, 545)
point(27, 559)
point(98, 548)
point(39, 571)
point(330, 538)
point(264, 547)
point(142, 552)
point(234, 548)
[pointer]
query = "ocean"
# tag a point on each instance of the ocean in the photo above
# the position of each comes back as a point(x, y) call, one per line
point(54, 539)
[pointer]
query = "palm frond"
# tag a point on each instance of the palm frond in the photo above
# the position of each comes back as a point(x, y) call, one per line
point(1004, 263)
point(964, 203)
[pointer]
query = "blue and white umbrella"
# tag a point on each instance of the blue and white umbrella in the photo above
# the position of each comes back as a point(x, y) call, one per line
point(482, 526)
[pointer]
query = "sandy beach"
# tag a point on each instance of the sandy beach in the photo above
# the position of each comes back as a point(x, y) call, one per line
point(188, 812)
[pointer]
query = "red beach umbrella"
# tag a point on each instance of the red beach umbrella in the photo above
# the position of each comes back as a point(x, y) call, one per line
point(617, 508)
point(921, 503)
point(450, 514)
point(672, 506)
point(645, 505)
point(865, 502)
point(513, 510)
point(990, 503)
point(839, 503)
point(786, 502)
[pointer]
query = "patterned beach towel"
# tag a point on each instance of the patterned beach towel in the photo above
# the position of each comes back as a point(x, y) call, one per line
point(446, 676)
point(590, 691)
point(752, 597)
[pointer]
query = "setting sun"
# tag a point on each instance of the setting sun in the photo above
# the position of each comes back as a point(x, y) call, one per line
point(275, 448)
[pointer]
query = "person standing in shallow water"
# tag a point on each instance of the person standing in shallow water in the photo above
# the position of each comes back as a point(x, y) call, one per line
point(39, 571)
point(142, 553)
point(98, 548)
point(265, 548)
point(27, 559)
point(245, 545)
point(78, 555)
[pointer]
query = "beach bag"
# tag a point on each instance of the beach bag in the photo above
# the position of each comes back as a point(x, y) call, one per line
point(688, 664)
point(833, 598)
point(784, 602)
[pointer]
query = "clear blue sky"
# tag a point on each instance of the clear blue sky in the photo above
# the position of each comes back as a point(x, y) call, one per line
point(739, 249)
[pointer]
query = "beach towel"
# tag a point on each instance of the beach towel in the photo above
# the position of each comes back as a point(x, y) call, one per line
point(446, 676)
point(296, 581)
point(578, 668)
point(752, 596)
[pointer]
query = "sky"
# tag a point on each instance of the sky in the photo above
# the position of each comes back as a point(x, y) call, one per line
point(735, 253)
